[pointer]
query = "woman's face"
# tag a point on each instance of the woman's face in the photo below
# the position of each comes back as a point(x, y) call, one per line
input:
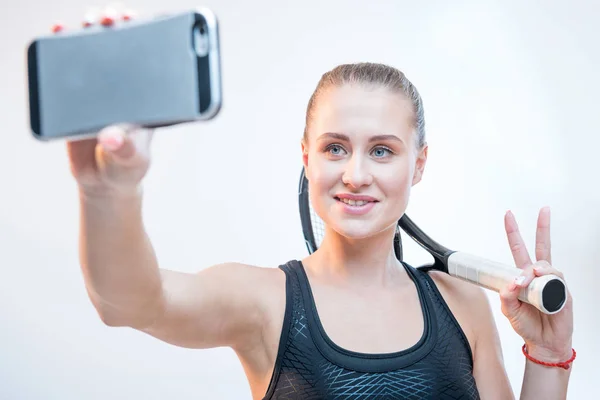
point(361, 159)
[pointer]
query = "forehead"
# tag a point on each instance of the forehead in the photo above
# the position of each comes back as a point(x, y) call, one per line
point(362, 111)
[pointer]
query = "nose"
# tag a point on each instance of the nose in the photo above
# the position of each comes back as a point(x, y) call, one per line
point(356, 173)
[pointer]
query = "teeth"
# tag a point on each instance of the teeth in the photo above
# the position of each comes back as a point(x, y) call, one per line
point(355, 202)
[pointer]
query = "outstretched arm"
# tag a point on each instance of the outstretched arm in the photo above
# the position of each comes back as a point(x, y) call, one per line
point(219, 306)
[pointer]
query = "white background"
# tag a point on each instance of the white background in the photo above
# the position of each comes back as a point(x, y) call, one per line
point(510, 91)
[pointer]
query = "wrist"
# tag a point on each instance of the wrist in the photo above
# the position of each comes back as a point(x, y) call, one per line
point(106, 193)
point(562, 358)
point(554, 355)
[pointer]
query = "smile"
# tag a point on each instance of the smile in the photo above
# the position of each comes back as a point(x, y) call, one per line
point(356, 205)
point(351, 202)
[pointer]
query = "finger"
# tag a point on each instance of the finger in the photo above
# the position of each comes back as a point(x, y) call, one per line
point(125, 141)
point(91, 17)
point(509, 300)
point(57, 28)
point(141, 138)
point(109, 14)
point(543, 268)
point(80, 152)
point(108, 18)
point(116, 8)
point(115, 143)
point(542, 236)
point(515, 241)
point(129, 14)
point(527, 275)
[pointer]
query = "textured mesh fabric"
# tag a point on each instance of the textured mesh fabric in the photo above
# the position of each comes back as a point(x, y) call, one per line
point(309, 366)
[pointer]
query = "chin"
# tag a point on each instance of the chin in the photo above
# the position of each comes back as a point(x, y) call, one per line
point(358, 229)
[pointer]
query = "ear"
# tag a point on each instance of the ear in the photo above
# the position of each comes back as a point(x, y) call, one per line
point(420, 165)
point(304, 154)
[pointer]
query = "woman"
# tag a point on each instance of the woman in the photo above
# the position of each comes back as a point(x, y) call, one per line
point(349, 321)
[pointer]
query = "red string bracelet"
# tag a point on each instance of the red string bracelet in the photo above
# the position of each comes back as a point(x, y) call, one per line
point(564, 364)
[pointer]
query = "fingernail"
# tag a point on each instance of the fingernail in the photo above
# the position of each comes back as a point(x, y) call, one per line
point(111, 13)
point(128, 15)
point(109, 16)
point(57, 28)
point(107, 21)
point(112, 142)
point(519, 280)
point(88, 20)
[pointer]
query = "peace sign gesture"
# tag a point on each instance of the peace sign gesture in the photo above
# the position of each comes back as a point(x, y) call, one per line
point(548, 337)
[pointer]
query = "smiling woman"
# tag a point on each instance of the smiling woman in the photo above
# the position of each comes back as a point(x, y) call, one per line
point(350, 321)
point(365, 123)
point(363, 149)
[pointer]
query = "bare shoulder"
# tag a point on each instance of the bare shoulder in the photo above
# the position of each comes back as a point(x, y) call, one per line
point(465, 294)
point(468, 303)
point(267, 281)
point(270, 285)
point(262, 276)
point(231, 277)
point(265, 284)
point(470, 306)
point(269, 278)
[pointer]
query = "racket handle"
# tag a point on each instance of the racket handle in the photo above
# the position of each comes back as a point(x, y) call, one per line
point(547, 293)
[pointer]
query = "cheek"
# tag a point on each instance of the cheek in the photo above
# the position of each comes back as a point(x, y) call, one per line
point(397, 182)
point(398, 175)
point(323, 174)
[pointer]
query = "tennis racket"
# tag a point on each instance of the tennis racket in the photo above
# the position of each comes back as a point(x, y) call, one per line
point(547, 293)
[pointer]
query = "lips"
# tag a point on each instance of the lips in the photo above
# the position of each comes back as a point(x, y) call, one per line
point(352, 202)
point(355, 198)
point(355, 204)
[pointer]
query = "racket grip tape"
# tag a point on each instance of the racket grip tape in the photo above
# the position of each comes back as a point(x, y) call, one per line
point(547, 293)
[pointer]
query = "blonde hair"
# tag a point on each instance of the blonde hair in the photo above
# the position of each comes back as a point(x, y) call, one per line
point(371, 74)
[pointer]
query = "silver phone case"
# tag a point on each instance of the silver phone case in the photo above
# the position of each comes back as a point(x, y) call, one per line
point(151, 73)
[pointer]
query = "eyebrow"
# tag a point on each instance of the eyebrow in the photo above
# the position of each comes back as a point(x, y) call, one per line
point(341, 136)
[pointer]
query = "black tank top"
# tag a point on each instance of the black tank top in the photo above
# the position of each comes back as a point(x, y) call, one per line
point(310, 366)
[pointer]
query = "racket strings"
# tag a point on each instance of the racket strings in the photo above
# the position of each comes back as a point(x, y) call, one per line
point(317, 224)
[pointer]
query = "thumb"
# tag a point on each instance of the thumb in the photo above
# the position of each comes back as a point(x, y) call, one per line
point(122, 154)
point(115, 142)
point(509, 298)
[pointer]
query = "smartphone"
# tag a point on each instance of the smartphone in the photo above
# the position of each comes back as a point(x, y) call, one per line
point(152, 73)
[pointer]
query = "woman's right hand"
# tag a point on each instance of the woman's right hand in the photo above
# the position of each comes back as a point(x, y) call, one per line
point(118, 158)
point(115, 162)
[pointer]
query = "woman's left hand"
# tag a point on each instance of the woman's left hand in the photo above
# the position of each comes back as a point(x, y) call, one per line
point(548, 337)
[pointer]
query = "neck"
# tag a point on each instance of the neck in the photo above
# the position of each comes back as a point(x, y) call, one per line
point(361, 262)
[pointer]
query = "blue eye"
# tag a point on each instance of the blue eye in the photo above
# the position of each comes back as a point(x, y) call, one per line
point(381, 152)
point(334, 149)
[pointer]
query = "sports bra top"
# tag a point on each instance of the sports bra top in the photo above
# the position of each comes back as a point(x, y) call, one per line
point(309, 365)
